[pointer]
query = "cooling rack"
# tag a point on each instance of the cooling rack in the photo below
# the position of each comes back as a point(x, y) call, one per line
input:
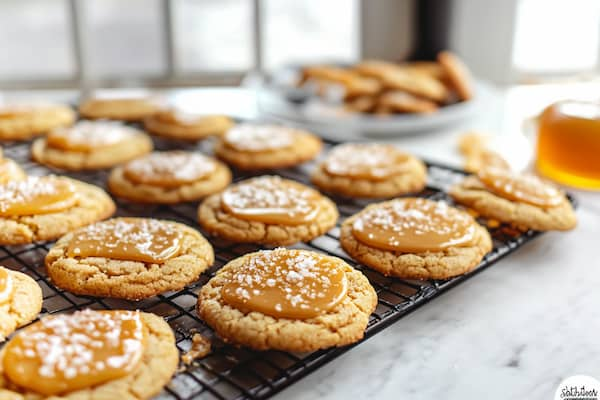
point(238, 373)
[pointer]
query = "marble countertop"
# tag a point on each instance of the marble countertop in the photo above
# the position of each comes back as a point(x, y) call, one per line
point(513, 331)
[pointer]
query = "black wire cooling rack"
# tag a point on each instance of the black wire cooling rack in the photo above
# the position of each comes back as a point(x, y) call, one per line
point(238, 373)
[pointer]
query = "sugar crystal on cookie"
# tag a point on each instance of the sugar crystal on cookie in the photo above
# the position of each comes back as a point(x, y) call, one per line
point(270, 199)
point(63, 353)
point(36, 196)
point(134, 239)
point(413, 225)
point(247, 137)
point(286, 283)
point(170, 168)
point(366, 160)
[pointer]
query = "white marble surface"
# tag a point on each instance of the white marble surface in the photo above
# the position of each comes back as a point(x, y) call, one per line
point(513, 331)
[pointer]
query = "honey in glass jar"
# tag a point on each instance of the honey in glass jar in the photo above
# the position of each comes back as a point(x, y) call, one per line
point(568, 143)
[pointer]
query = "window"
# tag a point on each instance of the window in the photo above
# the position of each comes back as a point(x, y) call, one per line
point(143, 39)
point(557, 36)
point(35, 38)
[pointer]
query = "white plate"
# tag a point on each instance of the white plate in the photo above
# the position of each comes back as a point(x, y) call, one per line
point(333, 122)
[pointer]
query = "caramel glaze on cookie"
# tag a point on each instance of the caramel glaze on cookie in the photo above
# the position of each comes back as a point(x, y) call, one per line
point(130, 258)
point(268, 210)
point(20, 301)
point(124, 109)
point(370, 170)
point(89, 355)
point(169, 177)
point(90, 145)
point(415, 238)
point(520, 199)
point(181, 125)
point(39, 209)
point(289, 300)
point(263, 147)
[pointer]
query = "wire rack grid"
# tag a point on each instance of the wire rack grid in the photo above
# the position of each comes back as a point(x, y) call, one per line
point(238, 373)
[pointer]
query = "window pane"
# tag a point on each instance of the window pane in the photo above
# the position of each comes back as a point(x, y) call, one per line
point(35, 40)
point(213, 35)
point(310, 30)
point(558, 35)
point(124, 37)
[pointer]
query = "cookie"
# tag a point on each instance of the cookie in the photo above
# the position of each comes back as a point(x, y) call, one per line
point(520, 199)
point(129, 258)
point(396, 77)
point(431, 68)
point(477, 156)
point(288, 300)
point(415, 238)
point(124, 109)
point(370, 170)
point(90, 145)
point(41, 209)
point(24, 121)
point(10, 171)
point(457, 73)
point(268, 210)
point(20, 301)
point(263, 147)
point(177, 124)
point(126, 355)
point(354, 84)
point(169, 177)
point(404, 102)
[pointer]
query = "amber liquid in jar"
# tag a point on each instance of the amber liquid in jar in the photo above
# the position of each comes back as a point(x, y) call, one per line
point(568, 144)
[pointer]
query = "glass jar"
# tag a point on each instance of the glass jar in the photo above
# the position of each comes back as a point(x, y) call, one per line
point(568, 143)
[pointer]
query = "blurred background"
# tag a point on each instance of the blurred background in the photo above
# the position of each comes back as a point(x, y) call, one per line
point(111, 43)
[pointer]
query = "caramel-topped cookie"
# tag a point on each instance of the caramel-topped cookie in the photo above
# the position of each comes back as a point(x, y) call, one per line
point(268, 210)
point(24, 121)
point(20, 301)
point(119, 108)
point(260, 147)
point(457, 74)
point(89, 354)
point(289, 300)
point(520, 199)
point(174, 123)
point(131, 258)
point(90, 145)
point(370, 170)
point(169, 177)
point(45, 208)
point(415, 238)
